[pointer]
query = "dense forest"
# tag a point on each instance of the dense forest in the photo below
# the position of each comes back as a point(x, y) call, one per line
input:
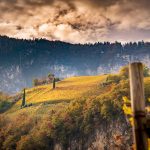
point(24, 60)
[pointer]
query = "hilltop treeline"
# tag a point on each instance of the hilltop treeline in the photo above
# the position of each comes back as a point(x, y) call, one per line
point(11, 44)
point(61, 53)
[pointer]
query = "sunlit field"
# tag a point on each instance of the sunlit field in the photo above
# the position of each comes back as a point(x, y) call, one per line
point(66, 90)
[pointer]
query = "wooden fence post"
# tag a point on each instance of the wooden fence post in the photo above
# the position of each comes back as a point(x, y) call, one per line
point(138, 106)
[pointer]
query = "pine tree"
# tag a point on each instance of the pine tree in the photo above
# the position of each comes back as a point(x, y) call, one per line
point(54, 83)
point(24, 98)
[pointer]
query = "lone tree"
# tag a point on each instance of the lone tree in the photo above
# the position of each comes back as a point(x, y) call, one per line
point(24, 98)
point(51, 76)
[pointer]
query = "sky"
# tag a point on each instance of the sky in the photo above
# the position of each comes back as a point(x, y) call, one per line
point(76, 21)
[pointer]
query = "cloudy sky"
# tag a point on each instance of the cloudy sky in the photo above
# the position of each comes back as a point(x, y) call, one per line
point(76, 21)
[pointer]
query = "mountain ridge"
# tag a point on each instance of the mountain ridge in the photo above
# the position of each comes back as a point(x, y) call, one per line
point(23, 60)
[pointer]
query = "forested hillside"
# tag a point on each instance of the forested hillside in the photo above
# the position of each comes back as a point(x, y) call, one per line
point(80, 113)
point(29, 59)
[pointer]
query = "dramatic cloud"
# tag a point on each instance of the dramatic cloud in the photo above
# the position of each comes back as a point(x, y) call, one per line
point(76, 20)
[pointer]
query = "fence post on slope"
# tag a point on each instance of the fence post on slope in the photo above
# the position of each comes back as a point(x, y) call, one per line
point(138, 106)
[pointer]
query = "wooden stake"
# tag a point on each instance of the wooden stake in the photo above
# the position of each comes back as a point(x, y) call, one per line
point(138, 106)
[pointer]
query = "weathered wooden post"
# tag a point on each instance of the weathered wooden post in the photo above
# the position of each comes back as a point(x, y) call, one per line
point(138, 106)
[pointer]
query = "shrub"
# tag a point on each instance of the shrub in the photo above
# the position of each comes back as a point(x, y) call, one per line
point(113, 79)
point(4, 105)
point(124, 72)
point(35, 82)
point(146, 71)
point(5, 102)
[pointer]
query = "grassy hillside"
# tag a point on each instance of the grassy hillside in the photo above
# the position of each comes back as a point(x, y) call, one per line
point(66, 90)
point(81, 113)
